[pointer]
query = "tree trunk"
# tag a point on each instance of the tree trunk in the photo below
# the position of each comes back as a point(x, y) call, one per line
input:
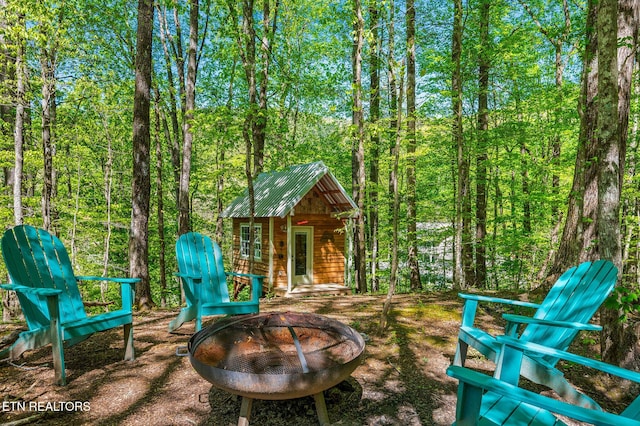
point(260, 122)
point(526, 205)
point(47, 68)
point(174, 138)
point(108, 185)
point(18, 133)
point(412, 237)
point(220, 163)
point(141, 181)
point(374, 116)
point(614, 91)
point(481, 158)
point(255, 123)
point(10, 303)
point(460, 280)
point(184, 204)
point(357, 153)
point(393, 128)
point(395, 203)
point(179, 58)
point(160, 202)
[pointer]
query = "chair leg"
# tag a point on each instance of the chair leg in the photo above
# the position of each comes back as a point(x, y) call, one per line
point(468, 414)
point(129, 353)
point(198, 306)
point(27, 340)
point(185, 315)
point(57, 346)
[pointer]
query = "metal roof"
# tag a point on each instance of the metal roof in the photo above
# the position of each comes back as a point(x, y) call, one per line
point(276, 193)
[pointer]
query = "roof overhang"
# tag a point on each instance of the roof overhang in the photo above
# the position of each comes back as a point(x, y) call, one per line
point(277, 193)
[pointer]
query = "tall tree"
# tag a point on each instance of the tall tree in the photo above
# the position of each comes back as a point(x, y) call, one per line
point(618, 55)
point(357, 148)
point(412, 237)
point(394, 189)
point(581, 239)
point(175, 135)
point(579, 232)
point(48, 65)
point(558, 36)
point(108, 191)
point(220, 158)
point(610, 162)
point(374, 116)
point(393, 131)
point(269, 25)
point(481, 153)
point(18, 133)
point(247, 48)
point(184, 204)
point(10, 303)
point(255, 122)
point(141, 182)
point(160, 199)
point(462, 248)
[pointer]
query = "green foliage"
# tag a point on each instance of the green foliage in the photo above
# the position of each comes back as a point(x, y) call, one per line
point(308, 119)
point(624, 300)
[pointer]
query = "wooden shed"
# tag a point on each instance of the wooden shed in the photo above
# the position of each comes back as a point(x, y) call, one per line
point(300, 219)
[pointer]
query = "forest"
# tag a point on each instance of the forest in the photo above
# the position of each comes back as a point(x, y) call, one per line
point(487, 144)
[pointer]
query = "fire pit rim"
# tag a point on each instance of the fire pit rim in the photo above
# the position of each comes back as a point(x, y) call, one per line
point(271, 386)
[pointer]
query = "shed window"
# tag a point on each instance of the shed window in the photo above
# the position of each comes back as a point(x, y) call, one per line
point(244, 240)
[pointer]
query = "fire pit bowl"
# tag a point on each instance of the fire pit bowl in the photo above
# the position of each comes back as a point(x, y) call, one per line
point(276, 356)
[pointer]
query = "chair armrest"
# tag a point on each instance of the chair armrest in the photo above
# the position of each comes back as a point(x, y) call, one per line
point(127, 288)
point(191, 290)
point(238, 274)
point(537, 349)
point(194, 278)
point(468, 377)
point(256, 283)
point(38, 291)
point(471, 306)
point(521, 319)
point(489, 299)
point(115, 280)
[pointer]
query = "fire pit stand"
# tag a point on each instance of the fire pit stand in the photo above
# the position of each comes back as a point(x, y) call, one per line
point(276, 356)
point(321, 410)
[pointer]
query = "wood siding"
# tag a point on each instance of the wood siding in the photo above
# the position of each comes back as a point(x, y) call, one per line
point(328, 244)
point(240, 264)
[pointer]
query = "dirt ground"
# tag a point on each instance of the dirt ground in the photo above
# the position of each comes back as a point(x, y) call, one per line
point(402, 380)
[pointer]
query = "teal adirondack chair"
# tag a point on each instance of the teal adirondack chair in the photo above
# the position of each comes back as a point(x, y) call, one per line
point(498, 400)
point(565, 311)
point(43, 279)
point(204, 282)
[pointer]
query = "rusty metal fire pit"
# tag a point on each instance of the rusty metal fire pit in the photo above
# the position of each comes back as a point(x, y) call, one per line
point(276, 356)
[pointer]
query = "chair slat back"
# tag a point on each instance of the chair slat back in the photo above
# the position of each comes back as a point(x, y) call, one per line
point(198, 255)
point(37, 259)
point(499, 410)
point(575, 297)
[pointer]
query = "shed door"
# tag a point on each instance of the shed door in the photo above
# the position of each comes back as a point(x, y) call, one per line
point(302, 255)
